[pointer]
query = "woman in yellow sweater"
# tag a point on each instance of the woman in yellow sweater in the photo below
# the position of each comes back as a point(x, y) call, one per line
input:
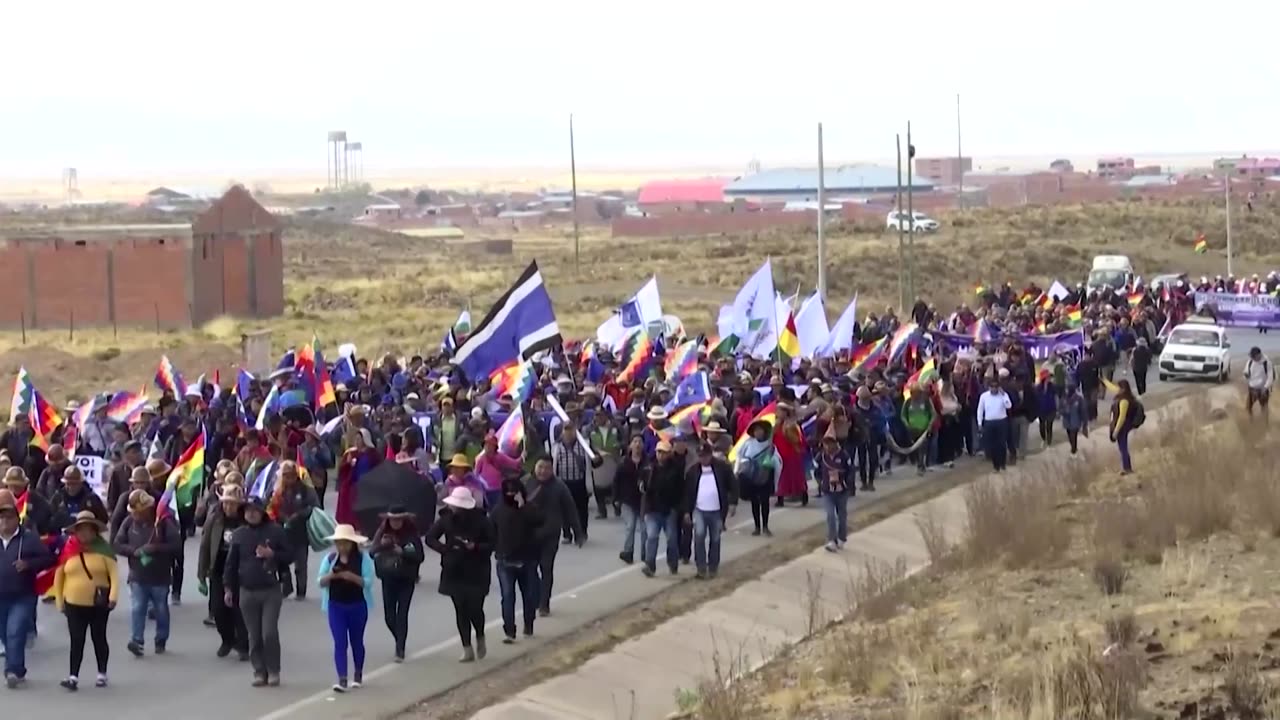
point(87, 586)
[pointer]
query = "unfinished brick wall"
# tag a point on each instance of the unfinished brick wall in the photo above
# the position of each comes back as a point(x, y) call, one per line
point(691, 224)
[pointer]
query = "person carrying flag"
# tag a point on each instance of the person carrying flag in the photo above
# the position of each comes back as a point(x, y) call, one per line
point(22, 557)
point(149, 540)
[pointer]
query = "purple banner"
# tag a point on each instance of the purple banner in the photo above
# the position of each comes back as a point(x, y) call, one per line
point(1040, 347)
point(1242, 309)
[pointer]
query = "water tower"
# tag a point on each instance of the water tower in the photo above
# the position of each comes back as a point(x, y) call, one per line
point(335, 161)
point(356, 150)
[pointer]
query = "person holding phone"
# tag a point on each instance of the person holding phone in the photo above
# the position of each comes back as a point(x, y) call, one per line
point(259, 552)
point(87, 587)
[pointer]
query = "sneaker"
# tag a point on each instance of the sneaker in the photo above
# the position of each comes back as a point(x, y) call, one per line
point(300, 597)
point(673, 569)
point(830, 547)
point(101, 682)
point(209, 622)
point(755, 533)
point(701, 575)
point(12, 681)
point(357, 682)
point(224, 650)
point(71, 684)
point(544, 612)
point(627, 558)
point(567, 541)
point(468, 655)
point(528, 631)
point(399, 658)
point(769, 533)
point(646, 571)
point(135, 648)
point(712, 573)
point(176, 601)
point(339, 687)
point(481, 648)
point(160, 648)
point(951, 464)
point(242, 656)
point(273, 681)
point(259, 681)
point(508, 639)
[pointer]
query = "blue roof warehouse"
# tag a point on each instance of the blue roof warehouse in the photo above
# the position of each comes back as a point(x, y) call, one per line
point(790, 184)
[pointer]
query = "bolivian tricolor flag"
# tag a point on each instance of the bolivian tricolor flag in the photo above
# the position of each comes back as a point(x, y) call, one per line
point(769, 414)
point(789, 341)
point(1074, 316)
point(1135, 298)
point(185, 480)
point(925, 374)
point(1202, 245)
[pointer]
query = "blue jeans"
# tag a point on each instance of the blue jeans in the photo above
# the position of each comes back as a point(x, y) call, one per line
point(346, 623)
point(837, 516)
point(707, 526)
point(1122, 443)
point(140, 597)
point(525, 576)
point(630, 519)
point(17, 617)
point(656, 523)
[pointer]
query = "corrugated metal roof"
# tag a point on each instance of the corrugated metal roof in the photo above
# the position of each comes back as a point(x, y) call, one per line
point(847, 178)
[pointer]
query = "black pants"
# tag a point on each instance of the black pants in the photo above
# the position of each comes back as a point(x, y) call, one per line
point(227, 618)
point(968, 418)
point(581, 501)
point(1091, 404)
point(1073, 439)
point(759, 496)
point(1140, 378)
point(547, 570)
point(186, 524)
point(995, 441)
point(85, 620)
point(1046, 427)
point(868, 454)
point(468, 611)
point(397, 596)
point(603, 498)
point(686, 540)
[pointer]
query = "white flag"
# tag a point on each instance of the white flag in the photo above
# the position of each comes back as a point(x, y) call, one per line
point(841, 335)
point(646, 302)
point(753, 313)
point(811, 325)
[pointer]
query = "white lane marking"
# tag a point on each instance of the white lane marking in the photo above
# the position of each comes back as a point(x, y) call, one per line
point(443, 645)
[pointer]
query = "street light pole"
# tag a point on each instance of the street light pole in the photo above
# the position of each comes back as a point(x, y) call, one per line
point(902, 256)
point(911, 219)
point(573, 174)
point(822, 217)
point(1226, 192)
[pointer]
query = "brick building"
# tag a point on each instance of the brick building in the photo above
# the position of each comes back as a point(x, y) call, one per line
point(944, 170)
point(229, 261)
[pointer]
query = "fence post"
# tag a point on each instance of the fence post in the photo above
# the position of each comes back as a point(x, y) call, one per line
point(157, 308)
point(71, 326)
point(24, 326)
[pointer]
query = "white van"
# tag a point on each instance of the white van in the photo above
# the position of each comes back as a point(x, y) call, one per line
point(1114, 271)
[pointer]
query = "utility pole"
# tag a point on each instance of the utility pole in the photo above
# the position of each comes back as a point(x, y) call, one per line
point(902, 257)
point(1226, 192)
point(573, 174)
point(959, 154)
point(822, 218)
point(911, 215)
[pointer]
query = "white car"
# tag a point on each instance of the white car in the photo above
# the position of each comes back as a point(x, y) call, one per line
point(923, 223)
point(1196, 350)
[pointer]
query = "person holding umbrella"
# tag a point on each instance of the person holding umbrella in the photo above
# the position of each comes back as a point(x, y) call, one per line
point(464, 538)
point(397, 557)
point(346, 594)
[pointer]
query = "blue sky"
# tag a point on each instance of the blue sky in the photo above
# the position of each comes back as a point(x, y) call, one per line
point(135, 86)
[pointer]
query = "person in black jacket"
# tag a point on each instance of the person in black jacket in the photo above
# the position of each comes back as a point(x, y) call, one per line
point(633, 474)
point(224, 518)
point(39, 510)
point(149, 544)
point(1139, 364)
point(552, 498)
point(22, 557)
point(397, 557)
point(464, 538)
point(76, 497)
point(660, 502)
point(516, 548)
point(1090, 379)
point(259, 553)
point(710, 497)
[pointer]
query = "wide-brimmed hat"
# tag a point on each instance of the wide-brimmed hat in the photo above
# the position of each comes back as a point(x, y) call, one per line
point(86, 517)
point(157, 468)
point(461, 498)
point(768, 426)
point(345, 532)
point(141, 500)
point(713, 427)
point(657, 413)
point(231, 493)
point(396, 511)
point(8, 501)
point(460, 460)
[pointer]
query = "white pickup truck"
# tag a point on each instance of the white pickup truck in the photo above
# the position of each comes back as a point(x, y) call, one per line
point(1196, 349)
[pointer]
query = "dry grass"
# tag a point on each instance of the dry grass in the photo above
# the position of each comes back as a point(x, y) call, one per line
point(1018, 632)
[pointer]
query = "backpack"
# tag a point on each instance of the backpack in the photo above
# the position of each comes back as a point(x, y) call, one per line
point(1139, 414)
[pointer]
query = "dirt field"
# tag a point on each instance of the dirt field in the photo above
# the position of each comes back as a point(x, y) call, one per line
point(1084, 595)
point(391, 293)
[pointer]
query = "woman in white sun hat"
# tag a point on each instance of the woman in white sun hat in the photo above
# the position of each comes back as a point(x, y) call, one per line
point(463, 535)
point(346, 594)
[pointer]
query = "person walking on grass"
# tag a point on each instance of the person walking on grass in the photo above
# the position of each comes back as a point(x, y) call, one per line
point(22, 557)
point(516, 522)
point(835, 479)
point(258, 555)
point(1075, 415)
point(346, 594)
point(87, 587)
point(1127, 414)
point(397, 558)
point(1259, 376)
point(711, 497)
point(993, 420)
point(149, 542)
point(463, 535)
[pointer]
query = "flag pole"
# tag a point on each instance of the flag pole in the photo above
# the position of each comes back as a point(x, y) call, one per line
point(1226, 192)
point(573, 175)
point(822, 218)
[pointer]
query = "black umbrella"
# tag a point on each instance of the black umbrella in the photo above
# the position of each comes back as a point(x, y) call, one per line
point(391, 483)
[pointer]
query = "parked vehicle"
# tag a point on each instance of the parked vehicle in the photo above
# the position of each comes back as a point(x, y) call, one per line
point(900, 220)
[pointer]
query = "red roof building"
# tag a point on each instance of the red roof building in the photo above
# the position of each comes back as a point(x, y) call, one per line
point(682, 192)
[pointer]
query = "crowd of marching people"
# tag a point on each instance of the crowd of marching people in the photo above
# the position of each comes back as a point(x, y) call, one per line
point(669, 444)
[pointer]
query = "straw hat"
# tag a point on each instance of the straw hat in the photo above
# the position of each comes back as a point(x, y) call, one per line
point(713, 428)
point(657, 412)
point(86, 517)
point(141, 500)
point(460, 460)
point(348, 533)
point(461, 498)
point(231, 493)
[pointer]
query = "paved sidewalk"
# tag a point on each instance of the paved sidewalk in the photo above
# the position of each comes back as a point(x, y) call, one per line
point(639, 679)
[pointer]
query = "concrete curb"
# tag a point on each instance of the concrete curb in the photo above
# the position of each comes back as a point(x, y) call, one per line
point(639, 679)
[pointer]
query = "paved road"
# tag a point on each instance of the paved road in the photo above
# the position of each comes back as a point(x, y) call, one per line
point(190, 683)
